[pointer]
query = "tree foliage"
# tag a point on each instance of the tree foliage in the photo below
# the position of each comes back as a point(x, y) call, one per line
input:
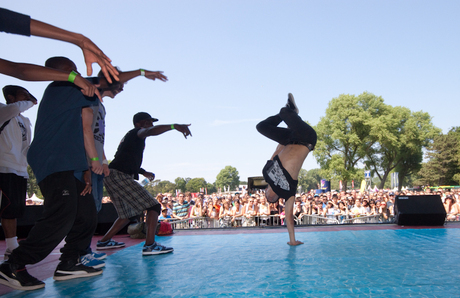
point(158, 186)
point(195, 184)
point(364, 130)
point(228, 176)
point(344, 134)
point(211, 188)
point(309, 179)
point(181, 183)
point(400, 135)
point(442, 167)
point(32, 185)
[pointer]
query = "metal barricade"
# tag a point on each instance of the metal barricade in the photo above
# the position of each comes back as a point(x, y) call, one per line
point(192, 223)
point(314, 219)
point(363, 219)
point(226, 222)
point(274, 220)
point(267, 220)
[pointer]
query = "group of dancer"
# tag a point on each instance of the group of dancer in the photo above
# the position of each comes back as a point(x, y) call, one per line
point(68, 159)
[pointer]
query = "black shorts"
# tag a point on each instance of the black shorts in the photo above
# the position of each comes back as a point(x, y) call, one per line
point(14, 189)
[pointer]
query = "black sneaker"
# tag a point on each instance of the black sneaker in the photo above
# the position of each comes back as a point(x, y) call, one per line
point(291, 103)
point(18, 278)
point(109, 244)
point(70, 270)
point(156, 249)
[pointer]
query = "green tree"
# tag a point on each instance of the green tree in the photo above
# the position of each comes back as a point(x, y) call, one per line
point(408, 168)
point(105, 193)
point(377, 181)
point(211, 188)
point(32, 185)
point(195, 184)
point(309, 179)
point(228, 176)
point(409, 180)
point(158, 186)
point(344, 134)
point(442, 165)
point(399, 136)
point(181, 183)
point(456, 131)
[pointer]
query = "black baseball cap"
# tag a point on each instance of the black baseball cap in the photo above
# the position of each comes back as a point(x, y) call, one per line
point(142, 116)
point(12, 89)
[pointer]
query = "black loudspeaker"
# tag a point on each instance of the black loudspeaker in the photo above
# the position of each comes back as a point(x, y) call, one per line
point(419, 211)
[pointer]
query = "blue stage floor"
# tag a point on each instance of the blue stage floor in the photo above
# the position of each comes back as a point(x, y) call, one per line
point(370, 263)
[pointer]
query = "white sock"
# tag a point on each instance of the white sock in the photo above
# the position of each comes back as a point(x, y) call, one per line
point(11, 243)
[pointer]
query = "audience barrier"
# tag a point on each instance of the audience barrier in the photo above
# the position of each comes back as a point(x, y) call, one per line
point(272, 220)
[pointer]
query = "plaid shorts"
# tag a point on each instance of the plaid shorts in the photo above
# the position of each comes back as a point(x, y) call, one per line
point(129, 197)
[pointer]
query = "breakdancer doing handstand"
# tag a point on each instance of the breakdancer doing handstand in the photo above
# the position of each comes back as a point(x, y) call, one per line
point(282, 170)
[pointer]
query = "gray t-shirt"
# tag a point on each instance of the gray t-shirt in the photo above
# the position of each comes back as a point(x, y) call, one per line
point(98, 128)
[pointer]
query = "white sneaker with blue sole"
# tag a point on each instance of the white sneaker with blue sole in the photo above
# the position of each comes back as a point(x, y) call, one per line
point(99, 255)
point(90, 261)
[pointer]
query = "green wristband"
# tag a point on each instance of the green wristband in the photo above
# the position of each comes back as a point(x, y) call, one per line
point(72, 76)
point(172, 126)
point(94, 158)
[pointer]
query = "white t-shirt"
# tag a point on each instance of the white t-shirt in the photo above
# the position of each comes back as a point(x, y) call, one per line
point(15, 138)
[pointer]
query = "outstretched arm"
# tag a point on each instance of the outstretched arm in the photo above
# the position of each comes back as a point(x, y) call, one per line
point(13, 109)
point(91, 52)
point(31, 72)
point(125, 76)
point(289, 211)
point(148, 175)
point(159, 129)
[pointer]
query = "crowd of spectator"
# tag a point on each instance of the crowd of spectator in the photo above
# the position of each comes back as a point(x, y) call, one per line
point(334, 207)
point(253, 209)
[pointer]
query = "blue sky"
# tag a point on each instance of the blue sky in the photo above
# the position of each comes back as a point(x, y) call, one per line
point(231, 64)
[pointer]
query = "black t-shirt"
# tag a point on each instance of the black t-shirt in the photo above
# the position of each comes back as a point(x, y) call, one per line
point(279, 179)
point(13, 22)
point(58, 143)
point(128, 158)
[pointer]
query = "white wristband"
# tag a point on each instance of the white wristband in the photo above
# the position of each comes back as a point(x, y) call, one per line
point(105, 162)
point(142, 72)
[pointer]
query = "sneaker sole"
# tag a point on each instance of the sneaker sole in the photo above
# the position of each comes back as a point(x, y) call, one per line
point(156, 252)
point(292, 100)
point(72, 275)
point(98, 266)
point(12, 283)
point(101, 258)
point(109, 247)
point(6, 256)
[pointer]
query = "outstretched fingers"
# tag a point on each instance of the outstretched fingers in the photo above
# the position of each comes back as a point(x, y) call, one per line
point(183, 128)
